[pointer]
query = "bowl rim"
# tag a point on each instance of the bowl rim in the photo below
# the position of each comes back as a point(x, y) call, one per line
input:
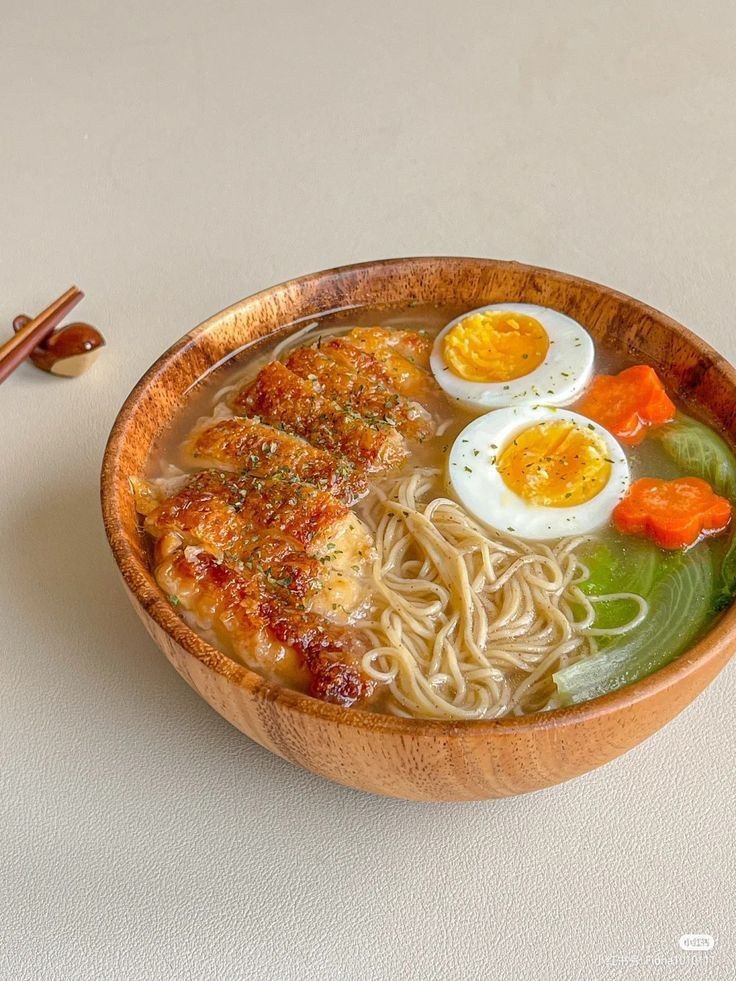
point(138, 577)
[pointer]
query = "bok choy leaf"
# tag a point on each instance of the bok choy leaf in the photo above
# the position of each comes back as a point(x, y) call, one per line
point(680, 604)
point(703, 453)
point(619, 566)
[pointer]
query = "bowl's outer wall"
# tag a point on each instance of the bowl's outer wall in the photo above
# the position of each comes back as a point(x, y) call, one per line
point(415, 760)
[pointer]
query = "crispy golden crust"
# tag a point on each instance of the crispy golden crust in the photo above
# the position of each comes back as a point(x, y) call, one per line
point(347, 355)
point(287, 572)
point(242, 444)
point(404, 357)
point(331, 653)
point(214, 592)
point(409, 344)
point(354, 387)
point(281, 398)
point(265, 630)
point(199, 516)
point(230, 513)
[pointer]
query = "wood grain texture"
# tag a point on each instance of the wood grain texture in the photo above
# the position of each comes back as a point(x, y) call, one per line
point(385, 755)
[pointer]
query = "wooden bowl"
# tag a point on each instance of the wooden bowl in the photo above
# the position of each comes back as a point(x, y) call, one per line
point(420, 760)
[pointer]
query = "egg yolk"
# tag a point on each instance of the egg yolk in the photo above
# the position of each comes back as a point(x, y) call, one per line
point(555, 464)
point(495, 346)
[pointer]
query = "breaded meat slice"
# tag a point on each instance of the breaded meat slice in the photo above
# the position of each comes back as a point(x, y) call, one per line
point(290, 532)
point(242, 444)
point(289, 645)
point(226, 512)
point(404, 357)
point(361, 392)
point(410, 344)
point(283, 399)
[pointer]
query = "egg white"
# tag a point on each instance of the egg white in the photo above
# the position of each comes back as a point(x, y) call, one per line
point(475, 478)
point(558, 380)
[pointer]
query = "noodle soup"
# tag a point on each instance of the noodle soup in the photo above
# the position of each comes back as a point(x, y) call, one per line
point(442, 514)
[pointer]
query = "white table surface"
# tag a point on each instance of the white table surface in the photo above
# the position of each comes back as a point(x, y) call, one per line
point(172, 157)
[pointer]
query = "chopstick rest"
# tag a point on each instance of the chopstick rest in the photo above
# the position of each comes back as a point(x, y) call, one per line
point(69, 351)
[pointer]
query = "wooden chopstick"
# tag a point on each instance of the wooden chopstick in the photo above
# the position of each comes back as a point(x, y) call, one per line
point(17, 348)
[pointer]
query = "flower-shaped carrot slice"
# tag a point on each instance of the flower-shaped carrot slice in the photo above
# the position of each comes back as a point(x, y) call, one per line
point(673, 513)
point(628, 403)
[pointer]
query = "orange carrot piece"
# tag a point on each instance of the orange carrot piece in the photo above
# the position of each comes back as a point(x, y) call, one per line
point(628, 403)
point(673, 513)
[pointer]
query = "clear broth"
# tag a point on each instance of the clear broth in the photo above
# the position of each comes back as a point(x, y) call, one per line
point(647, 459)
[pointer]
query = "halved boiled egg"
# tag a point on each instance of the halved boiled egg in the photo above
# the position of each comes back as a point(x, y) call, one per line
point(538, 472)
point(512, 354)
